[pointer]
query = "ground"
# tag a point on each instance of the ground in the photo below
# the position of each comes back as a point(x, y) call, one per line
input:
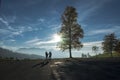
point(61, 69)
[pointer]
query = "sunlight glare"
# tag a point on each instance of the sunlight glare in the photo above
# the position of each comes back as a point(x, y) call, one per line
point(56, 38)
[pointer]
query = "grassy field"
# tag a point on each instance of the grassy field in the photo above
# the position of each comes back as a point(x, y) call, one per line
point(109, 55)
point(61, 69)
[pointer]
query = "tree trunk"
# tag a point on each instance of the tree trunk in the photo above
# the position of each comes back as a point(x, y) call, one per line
point(70, 53)
point(111, 53)
point(96, 54)
point(70, 41)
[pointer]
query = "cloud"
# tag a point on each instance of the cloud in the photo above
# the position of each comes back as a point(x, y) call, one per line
point(44, 42)
point(12, 40)
point(54, 38)
point(18, 31)
point(4, 31)
point(33, 41)
point(6, 21)
point(101, 31)
point(87, 48)
point(9, 31)
point(1, 43)
point(89, 8)
point(95, 43)
point(41, 20)
point(48, 43)
point(114, 29)
point(55, 27)
point(9, 47)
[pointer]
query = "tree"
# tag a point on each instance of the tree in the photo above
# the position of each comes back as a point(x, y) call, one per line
point(117, 47)
point(109, 43)
point(71, 32)
point(95, 49)
point(88, 55)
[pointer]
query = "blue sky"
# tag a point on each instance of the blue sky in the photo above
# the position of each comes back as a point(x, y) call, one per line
point(33, 23)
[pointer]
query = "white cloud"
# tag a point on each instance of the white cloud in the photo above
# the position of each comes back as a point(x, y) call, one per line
point(10, 47)
point(41, 20)
point(12, 40)
point(9, 31)
point(33, 41)
point(48, 43)
point(44, 42)
point(4, 21)
point(55, 27)
point(87, 48)
point(4, 31)
point(95, 43)
point(54, 39)
point(7, 21)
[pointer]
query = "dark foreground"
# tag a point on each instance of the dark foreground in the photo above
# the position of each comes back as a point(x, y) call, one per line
point(62, 69)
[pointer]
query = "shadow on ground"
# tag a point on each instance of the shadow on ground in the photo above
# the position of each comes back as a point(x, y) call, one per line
point(41, 64)
point(90, 70)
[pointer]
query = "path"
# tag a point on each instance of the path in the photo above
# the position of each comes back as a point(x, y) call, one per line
point(49, 69)
point(61, 70)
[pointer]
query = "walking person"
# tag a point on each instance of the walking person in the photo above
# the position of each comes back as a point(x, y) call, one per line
point(46, 54)
point(50, 55)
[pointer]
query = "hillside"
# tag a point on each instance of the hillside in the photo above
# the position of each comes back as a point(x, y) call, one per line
point(8, 53)
point(31, 50)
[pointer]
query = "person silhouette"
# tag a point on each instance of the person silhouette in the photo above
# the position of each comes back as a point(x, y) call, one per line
point(46, 54)
point(50, 55)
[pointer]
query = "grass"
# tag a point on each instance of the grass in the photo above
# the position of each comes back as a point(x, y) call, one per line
point(107, 55)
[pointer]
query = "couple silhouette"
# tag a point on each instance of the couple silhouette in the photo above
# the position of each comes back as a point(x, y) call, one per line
point(44, 62)
point(48, 55)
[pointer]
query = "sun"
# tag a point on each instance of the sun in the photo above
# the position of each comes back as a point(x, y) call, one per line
point(56, 38)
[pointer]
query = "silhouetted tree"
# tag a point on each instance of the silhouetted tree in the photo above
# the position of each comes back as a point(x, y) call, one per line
point(95, 49)
point(109, 43)
point(88, 55)
point(71, 31)
point(83, 55)
point(117, 47)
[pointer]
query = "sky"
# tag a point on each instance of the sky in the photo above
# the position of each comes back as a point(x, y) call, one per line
point(35, 23)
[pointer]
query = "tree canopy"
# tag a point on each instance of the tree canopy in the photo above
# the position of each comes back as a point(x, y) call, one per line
point(95, 49)
point(109, 43)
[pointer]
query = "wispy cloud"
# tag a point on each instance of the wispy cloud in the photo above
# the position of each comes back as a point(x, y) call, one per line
point(4, 31)
point(48, 43)
point(95, 43)
point(7, 21)
point(41, 20)
point(55, 27)
point(114, 29)
point(89, 8)
point(9, 31)
point(12, 40)
point(44, 42)
point(33, 41)
point(4, 21)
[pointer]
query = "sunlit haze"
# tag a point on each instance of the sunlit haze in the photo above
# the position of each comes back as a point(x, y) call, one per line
point(56, 38)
